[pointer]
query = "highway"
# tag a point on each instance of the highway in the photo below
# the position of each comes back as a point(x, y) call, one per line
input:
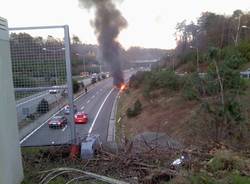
point(97, 103)
point(29, 104)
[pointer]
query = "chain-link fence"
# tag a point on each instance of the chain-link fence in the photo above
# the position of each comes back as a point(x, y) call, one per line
point(41, 68)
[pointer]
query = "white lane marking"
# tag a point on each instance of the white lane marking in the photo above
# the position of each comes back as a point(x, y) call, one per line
point(88, 101)
point(93, 97)
point(83, 94)
point(98, 112)
point(30, 134)
point(32, 99)
point(82, 107)
point(64, 128)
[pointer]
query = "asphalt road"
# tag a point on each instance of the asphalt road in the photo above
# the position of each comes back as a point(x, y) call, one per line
point(29, 104)
point(97, 103)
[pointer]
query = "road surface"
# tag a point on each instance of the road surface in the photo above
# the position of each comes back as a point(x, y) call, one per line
point(29, 104)
point(97, 103)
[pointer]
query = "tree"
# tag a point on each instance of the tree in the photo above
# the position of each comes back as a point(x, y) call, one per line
point(43, 107)
point(76, 40)
point(76, 86)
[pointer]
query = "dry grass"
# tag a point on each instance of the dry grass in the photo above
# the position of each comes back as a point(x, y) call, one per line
point(168, 113)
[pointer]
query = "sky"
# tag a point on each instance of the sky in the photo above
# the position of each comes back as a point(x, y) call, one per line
point(151, 23)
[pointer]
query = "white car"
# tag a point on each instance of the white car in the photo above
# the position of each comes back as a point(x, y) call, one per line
point(67, 109)
point(54, 91)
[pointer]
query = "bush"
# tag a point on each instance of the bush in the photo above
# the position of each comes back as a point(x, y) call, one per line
point(163, 79)
point(194, 87)
point(189, 93)
point(43, 107)
point(225, 160)
point(238, 179)
point(234, 110)
point(135, 111)
point(244, 49)
point(137, 79)
point(76, 86)
point(167, 79)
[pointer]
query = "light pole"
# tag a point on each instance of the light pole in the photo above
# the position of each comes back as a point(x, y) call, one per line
point(197, 57)
point(100, 67)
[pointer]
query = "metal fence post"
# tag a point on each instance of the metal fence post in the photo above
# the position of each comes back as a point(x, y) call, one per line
point(69, 84)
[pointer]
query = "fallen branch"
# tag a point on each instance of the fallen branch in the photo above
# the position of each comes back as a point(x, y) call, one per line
point(59, 171)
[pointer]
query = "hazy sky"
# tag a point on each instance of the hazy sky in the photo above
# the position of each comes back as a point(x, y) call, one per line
point(151, 23)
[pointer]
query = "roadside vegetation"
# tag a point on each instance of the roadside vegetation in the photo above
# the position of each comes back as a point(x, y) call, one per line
point(203, 103)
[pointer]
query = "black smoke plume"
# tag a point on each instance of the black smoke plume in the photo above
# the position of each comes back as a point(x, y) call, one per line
point(108, 23)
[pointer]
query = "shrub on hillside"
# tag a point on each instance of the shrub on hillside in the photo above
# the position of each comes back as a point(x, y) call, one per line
point(137, 79)
point(43, 107)
point(168, 79)
point(190, 89)
point(163, 79)
point(135, 111)
point(244, 49)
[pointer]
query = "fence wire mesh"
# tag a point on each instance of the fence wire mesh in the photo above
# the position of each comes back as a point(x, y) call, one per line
point(40, 82)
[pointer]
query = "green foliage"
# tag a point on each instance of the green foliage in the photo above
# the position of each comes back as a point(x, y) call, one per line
point(202, 178)
point(167, 79)
point(136, 80)
point(163, 79)
point(136, 109)
point(228, 178)
point(213, 53)
point(188, 56)
point(234, 109)
point(76, 86)
point(229, 72)
point(225, 160)
point(244, 49)
point(238, 179)
point(43, 107)
point(192, 87)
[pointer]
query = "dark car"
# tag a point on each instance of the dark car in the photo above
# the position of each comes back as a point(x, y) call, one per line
point(104, 76)
point(93, 80)
point(57, 122)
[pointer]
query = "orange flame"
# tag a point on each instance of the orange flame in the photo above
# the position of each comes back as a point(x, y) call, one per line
point(123, 86)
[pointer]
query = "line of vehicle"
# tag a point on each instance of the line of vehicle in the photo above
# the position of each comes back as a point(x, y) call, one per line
point(35, 130)
point(99, 110)
point(30, 134)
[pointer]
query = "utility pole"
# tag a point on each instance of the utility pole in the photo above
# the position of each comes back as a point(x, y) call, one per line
point(238, 30)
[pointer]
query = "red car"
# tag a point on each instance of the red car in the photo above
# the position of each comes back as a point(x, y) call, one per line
point(57, 122)
point(81, 118)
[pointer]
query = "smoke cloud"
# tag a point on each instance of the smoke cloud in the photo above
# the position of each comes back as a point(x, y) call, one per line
point(108, 23)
